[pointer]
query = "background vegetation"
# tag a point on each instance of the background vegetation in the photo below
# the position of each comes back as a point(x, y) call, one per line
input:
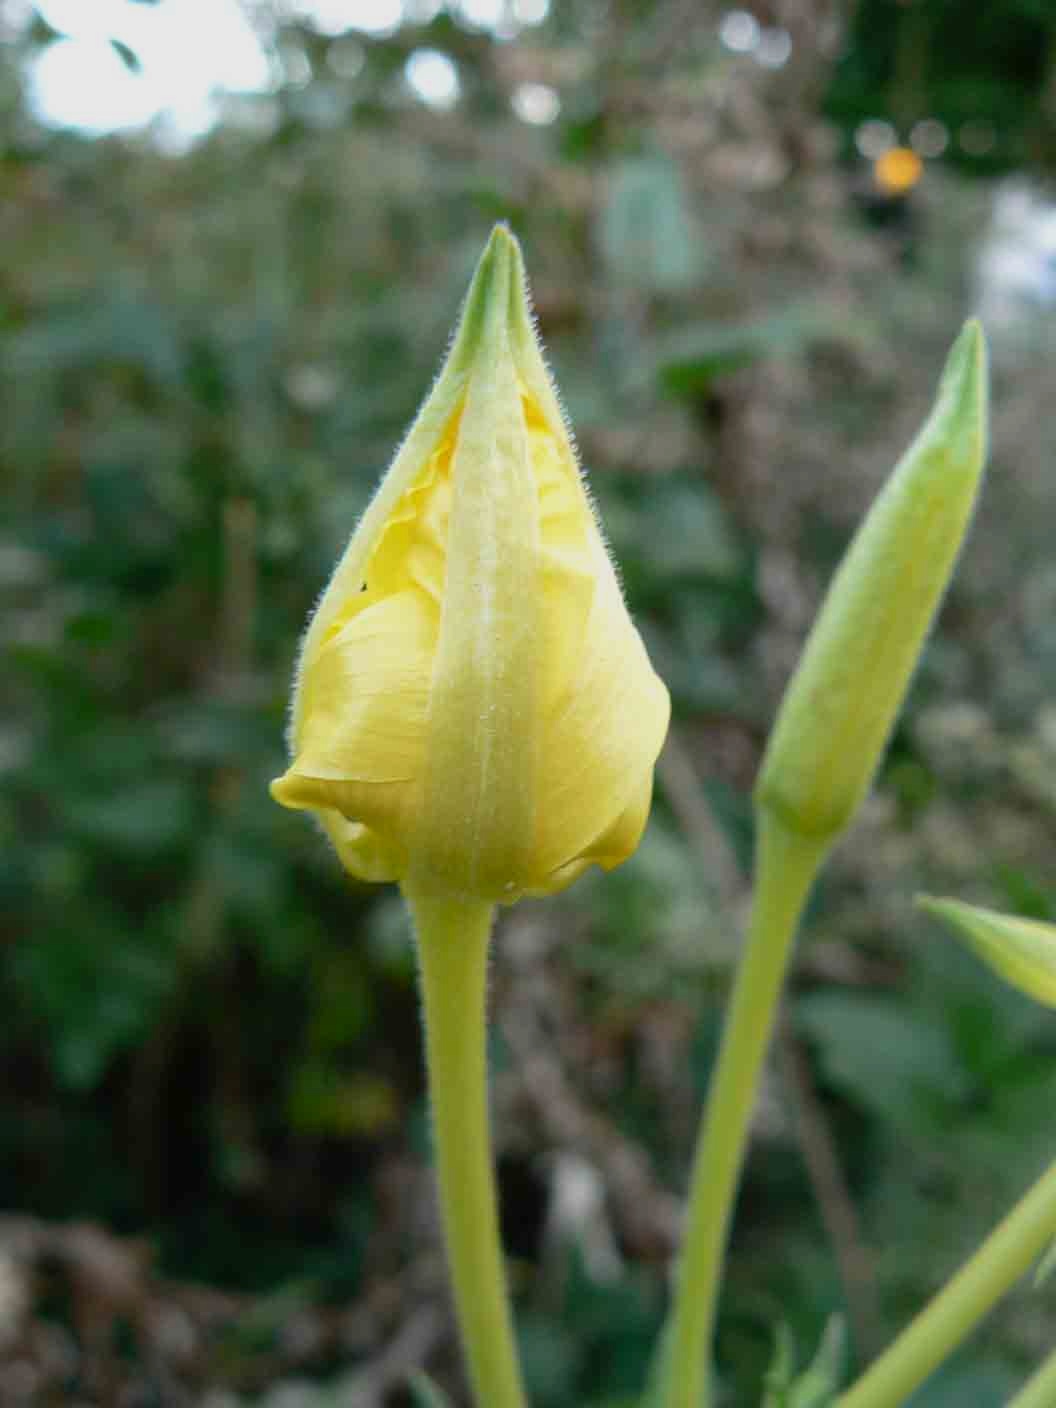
point(213, 1144)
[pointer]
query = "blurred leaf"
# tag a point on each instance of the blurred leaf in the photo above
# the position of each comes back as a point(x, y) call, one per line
point(252, 880)
point(891, 1061)
point(976, 1382)
point(128, 57)
point(648, 239)
point(688, 363)
point(122, 327)
point(345, 1000)
point(683, 530)
point(324, 1101)
point(95, 988)
point(425, 1393)
point(551, 1355)
point(142, 818)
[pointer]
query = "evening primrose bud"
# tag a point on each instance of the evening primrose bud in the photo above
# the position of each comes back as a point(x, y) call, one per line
point(1022, 951)
point(473, 709)
point(840, 707)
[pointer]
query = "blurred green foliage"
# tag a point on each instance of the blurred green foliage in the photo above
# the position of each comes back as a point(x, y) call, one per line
point(207, 359)
point(918, 60)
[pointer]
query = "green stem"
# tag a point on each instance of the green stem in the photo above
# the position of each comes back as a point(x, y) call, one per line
point(1040, 1390)
point(785, 868)
point(452, 956)
point(962, 1303)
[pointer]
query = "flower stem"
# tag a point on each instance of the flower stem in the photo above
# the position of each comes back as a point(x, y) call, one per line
point(941, 1325)
point(786, 864)
point(1040, 1390)
point(452, 940)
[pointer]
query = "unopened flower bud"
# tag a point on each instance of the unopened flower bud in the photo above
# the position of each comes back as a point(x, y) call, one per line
point(843, 700)
point(473, 708)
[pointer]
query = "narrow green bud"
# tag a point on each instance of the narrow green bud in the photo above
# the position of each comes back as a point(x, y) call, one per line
point(839, 709)
point(1021, 951)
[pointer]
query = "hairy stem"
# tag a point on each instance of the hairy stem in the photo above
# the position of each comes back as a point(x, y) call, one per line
point(452, 938)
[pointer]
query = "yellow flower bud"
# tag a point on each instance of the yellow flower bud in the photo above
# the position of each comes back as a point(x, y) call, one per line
point(842, 702)
point(1022, 951)
point(473, 707)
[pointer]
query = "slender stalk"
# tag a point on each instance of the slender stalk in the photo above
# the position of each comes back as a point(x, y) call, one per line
point(452, 940)
point(962, 1303)
point(785, 868)
point(1040, 1390)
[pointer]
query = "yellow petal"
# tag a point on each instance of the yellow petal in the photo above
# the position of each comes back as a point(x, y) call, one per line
point(621, 840)
point(412, 547)
point(1022, 951)
point(362, 852)
point(567, 560)
point(604, 737)
point(363, 735)
point(425, 449)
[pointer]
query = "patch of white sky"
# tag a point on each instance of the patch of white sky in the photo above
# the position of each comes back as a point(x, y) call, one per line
point(190, 53)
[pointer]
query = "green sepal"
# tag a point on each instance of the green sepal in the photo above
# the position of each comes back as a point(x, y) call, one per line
point(818, 1385)
point(1021, 951)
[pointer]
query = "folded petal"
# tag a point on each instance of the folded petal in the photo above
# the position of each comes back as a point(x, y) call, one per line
point(604, 737)
point(608, 850)
point(362, 852)
point(567, 561)
point(366, 702)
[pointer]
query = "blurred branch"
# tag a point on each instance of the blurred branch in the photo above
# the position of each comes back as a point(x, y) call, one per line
point(182, 1330)
point(203, 914)
point(649, 1217)
point(425, 1329)
point(831, 1193)
point(693, 812)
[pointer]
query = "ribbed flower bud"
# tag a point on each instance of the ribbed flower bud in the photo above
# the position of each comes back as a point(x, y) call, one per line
point(473, 707)
point(844, 698)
